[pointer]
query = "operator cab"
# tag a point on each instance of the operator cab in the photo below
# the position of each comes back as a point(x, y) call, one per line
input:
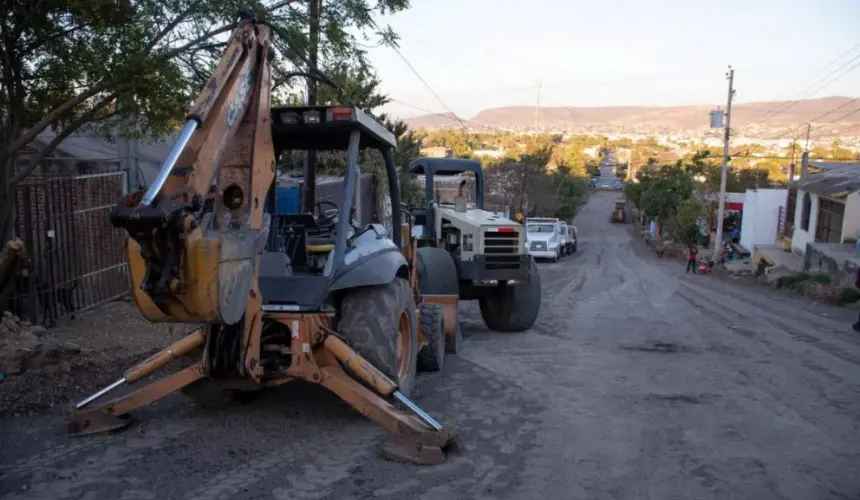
point(309, 255)
point(443, 167)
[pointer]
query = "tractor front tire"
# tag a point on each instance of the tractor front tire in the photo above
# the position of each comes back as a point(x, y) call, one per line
point(379, 323)
point(513, 308)
point(437, 273)
point(206, 392)
point(431, 357)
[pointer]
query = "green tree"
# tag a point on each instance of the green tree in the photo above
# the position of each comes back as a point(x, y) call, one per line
point(689, 213)
point(130, 67)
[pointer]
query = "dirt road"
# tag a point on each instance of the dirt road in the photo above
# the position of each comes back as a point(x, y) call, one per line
point(637, 382)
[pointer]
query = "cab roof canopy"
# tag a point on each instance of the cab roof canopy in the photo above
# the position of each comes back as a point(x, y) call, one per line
point(326, 128)
point(444, 166)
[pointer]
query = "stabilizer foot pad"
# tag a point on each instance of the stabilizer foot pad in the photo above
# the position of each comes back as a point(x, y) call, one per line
point(426, 448)
point(84, 423)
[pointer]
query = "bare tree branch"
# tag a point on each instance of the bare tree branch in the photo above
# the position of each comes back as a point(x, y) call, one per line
point(171, 25)
point(67, 131)
point(179, 50)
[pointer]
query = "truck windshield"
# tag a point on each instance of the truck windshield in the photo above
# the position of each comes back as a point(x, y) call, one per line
point(540, 228)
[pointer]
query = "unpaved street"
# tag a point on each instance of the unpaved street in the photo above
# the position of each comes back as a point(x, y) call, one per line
point(637, 382)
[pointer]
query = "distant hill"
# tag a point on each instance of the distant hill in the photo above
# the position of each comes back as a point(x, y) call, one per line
point(757, 119)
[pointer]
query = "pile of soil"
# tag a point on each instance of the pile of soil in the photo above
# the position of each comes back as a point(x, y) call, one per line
point(43, 367)
point(25, 347)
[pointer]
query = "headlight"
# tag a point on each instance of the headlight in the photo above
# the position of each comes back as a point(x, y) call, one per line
point(553, 245)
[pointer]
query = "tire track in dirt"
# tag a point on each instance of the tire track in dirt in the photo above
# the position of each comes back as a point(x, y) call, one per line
point(765, 319)
point(770, 372)
point(102, 466)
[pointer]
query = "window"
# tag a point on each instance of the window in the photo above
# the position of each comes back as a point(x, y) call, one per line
point(806, 209)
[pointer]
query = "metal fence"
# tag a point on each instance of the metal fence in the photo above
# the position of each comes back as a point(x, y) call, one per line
point(76, 258)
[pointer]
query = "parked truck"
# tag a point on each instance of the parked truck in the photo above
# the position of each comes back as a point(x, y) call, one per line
point(545, 238)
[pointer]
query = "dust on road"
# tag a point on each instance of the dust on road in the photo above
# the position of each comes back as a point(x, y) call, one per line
point(638, 381)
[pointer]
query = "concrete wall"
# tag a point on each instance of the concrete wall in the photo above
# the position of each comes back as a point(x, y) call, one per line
point(851, 223)
point(761, 216)
point(800, 238)
point(840, 262)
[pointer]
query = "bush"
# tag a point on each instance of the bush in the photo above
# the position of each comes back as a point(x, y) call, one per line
point(798, 280)
point(848, 295)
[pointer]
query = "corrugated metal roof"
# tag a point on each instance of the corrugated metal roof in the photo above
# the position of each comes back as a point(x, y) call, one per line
point(150, 153)
point(835, 182)
point(832, 165)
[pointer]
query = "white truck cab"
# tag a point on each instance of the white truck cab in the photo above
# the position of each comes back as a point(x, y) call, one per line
point(545, 238)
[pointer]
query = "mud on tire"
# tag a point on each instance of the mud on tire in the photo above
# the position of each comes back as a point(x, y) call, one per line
point(431, 357)
point(514, 308)
point(370, 323)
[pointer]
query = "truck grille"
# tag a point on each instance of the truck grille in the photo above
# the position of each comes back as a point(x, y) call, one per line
point(538, 245)
point(502, 250)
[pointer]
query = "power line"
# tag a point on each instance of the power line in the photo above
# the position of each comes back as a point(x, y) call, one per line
point(810, 122)
point(447, 116)
point(801, 85)
point(816, 89)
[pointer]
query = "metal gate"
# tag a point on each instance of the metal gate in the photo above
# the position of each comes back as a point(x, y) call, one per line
point(76, 258)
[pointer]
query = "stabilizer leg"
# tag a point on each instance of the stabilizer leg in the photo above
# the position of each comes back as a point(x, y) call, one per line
point(113, 414)
point(108, 416)
point(412, 440)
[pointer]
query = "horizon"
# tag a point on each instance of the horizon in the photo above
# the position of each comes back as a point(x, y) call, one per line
point(735, 103)
point(628, 54)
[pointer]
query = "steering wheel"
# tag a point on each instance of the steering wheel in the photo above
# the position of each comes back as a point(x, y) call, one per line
point(320, 214)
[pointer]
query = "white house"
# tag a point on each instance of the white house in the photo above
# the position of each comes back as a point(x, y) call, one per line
point(828, 207)
point(761, 216)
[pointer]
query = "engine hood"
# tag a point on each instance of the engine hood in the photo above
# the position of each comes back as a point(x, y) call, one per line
point(541, 236)
point(478, 217)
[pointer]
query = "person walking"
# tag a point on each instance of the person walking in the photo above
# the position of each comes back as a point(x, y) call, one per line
point(692, 252)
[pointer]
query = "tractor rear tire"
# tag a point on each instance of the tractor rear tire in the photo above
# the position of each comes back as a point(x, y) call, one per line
point(431, 357)
point(379, 323)
point(514, 308)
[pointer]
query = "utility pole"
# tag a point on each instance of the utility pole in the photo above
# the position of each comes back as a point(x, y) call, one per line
point(721, 213)
point(808, 129)
point(309, 194)
point(537, 110)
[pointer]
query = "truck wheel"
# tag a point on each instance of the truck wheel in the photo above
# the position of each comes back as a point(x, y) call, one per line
point(378, 322)
point(431, 357)
point(437, 273)
point(514, 308)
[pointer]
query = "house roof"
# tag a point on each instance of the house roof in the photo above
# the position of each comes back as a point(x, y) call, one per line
point(837, 182)
point(149, 153)
point(831, 165)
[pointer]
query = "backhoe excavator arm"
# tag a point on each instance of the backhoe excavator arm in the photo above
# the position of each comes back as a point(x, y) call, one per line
point(191, 270)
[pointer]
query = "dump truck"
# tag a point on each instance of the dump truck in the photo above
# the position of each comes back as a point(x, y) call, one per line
point(313, 297)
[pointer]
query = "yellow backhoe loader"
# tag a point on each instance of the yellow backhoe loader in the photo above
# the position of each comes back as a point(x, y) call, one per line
point(281, 297)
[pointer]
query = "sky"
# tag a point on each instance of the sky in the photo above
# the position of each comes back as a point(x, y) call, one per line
point(478, 54)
